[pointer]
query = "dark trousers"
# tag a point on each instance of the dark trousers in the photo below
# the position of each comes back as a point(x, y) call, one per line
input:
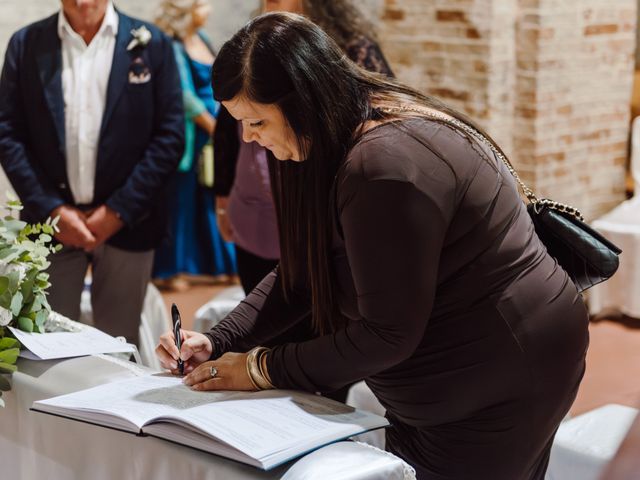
point(252, 268)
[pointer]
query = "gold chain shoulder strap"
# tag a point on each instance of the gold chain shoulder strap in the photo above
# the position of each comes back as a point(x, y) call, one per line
point(533, 199)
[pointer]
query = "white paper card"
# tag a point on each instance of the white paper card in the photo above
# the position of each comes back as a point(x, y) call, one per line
point(88, 341)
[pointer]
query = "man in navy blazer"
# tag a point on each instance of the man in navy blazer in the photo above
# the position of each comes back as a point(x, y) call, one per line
point(91, 129)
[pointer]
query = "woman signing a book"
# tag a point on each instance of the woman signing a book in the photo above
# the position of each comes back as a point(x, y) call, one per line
point(406, 239)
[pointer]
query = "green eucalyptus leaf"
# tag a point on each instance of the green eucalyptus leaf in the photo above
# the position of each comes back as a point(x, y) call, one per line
point(7, 252)
point(25, 324)
point(16, 303)
point(7, 368)
point(41, 317)
point(14, 280)
point(5, 299)
point(4, 284)
point(5, 384)
point(10, 355)
point(37, 303)
point(8, 342)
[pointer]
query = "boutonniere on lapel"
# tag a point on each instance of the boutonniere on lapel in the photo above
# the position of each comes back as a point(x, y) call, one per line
point(141, 37)
point(138, 70)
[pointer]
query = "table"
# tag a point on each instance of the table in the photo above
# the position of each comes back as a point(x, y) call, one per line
point(35, 445)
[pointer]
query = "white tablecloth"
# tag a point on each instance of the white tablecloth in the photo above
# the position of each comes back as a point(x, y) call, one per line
point(38, 446)
point(622, 291)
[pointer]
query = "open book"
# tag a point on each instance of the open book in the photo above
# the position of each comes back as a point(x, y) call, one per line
point(263, 429)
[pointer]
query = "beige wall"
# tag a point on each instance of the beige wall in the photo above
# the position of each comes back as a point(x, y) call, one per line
point(226, 18)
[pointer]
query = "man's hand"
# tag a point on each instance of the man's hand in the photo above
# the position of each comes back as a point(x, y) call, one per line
point(103, 223)
point(73, 231)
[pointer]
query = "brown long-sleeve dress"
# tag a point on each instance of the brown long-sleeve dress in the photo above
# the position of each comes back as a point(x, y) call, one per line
point(466, 330)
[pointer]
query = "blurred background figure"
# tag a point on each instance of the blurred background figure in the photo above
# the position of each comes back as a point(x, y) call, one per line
point(194, 245)
point(245, 210)
point(91, 131)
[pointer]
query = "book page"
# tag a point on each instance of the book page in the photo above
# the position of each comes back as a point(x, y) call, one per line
point(137, 400)
point(261, 424)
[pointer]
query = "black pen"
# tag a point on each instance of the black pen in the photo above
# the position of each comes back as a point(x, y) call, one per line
point(177, 324)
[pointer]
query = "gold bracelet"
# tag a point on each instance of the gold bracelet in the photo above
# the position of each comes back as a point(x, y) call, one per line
point(253, 368)
point(249, 372)
point(262, 364)
point(256, 374)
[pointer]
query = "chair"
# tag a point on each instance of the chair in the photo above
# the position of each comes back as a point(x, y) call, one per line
point(209, 314)
point(622, 227)
point(360, 396)
point(585, 444)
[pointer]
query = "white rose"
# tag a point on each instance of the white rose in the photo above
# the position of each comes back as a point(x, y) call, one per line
point(5, 317)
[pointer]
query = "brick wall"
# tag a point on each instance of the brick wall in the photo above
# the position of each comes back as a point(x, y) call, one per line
point(549, 79)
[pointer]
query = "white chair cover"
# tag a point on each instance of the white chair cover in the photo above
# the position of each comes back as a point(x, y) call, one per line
point(360, 396)
point(622, 227)
point(620, 292)
point(154, 322)
point(209, 314)
point(585, 444)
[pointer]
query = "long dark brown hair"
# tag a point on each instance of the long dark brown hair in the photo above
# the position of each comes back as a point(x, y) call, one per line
point(340, 19)
point(286, 60)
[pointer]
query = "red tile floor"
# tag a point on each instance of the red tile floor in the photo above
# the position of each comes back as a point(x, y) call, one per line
point(613, 360)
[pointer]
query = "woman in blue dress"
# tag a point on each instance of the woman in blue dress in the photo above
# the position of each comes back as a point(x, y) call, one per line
point(194, 245)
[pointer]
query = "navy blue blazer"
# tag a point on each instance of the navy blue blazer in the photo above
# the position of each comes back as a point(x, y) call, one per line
point(141, 137)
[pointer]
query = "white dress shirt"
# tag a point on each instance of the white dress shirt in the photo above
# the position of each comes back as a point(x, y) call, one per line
point(85, 76)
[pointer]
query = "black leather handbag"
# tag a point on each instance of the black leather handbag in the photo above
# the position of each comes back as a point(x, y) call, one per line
point(586, 256)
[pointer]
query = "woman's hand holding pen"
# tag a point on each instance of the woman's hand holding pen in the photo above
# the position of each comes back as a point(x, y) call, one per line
point(196, 349)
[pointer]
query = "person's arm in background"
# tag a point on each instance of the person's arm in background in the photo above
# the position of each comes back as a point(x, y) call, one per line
point(226, 146)
point(33, 187)
point(130, 203)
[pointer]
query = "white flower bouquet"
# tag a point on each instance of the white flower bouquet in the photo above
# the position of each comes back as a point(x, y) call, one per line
point(24, 249)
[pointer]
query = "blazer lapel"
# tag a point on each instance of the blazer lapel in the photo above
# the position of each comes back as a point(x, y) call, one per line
point(49, 61)
point(119, 68)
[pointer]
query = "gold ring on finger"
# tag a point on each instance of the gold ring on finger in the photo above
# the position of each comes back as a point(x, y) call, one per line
point(213, 371)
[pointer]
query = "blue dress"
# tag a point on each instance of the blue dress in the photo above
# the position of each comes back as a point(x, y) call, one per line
point(193, 244)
